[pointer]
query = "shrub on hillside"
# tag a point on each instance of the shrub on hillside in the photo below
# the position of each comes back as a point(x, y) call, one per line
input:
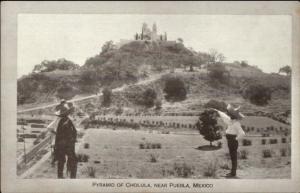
point(88, 79)
point(65, 91)
point(218, 72)
point(60, 64)
point(158, 104)
point(119, 110)
point(148, 98)
point(107, 94)
point(175, 89)
point(257, 94)
point(219, 105)
point(244, 63)
point(32, 86)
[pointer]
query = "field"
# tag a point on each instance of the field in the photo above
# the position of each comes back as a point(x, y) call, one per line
point(120, 153)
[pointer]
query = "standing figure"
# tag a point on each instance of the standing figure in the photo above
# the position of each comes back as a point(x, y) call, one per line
point(233, 132)
point(65, 141)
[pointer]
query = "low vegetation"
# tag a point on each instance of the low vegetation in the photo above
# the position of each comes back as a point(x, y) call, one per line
point(174, 89)
point(257, 94)
point(211, 168)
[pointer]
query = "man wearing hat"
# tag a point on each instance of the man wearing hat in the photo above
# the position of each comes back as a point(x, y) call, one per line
point(233, 132)
point(65, 140)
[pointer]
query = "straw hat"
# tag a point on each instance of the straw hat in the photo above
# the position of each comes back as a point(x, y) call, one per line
point(234, 113)
point(64, 109)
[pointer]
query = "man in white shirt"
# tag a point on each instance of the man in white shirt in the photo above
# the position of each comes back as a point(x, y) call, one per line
point(233, 132)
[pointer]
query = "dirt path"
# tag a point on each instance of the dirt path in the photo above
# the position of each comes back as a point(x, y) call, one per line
point(142, 82)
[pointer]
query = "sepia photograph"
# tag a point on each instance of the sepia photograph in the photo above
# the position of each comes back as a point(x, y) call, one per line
point(150, 96)
point(151, 101)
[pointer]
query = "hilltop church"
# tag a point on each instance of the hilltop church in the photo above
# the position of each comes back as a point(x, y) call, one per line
point(146, 35)
point(151, 35)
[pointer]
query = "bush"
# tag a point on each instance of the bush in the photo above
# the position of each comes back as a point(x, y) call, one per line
point(273, 141)
point(219, 105)
point(247, 142)
point(182, 170)
point(142, 146)
point(283, 152)
point(91, 171)
point(283, 140)
point(158, 104)
point(211, 169)
point(37, 141)
point(267, 153)
point(158, 146)
point(153, 158)
point(244, 63)
point(175, 89)
point(243, 154)
point(217, 72)
point(65, 91)
point(148, 146)
point(207, 126)
point(119, 110)
point(257, 94)
point(147, 98)
point(225, 166)
point(107, 94)
point(82, 158)
point(86, 146)
point(153, 146)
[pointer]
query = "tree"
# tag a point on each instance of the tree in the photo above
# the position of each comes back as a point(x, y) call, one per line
point(146, 97)
point(180, 40)
point(244, 63)
point(286, 69)
point(88, 81)
point(149, 97)
point(107, 94)
point(215, 56)
point(208, 126)
point(119, 110)
point(257, 94)
point(218, 72)
point(51, 65)
point(109, 45)
point(175, 89)
point(65, 91)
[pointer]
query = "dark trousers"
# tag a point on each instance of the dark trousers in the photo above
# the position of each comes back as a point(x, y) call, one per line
point(61, 154)
point(232, 146)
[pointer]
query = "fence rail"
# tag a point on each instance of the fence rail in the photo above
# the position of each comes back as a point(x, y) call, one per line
point(32, 152)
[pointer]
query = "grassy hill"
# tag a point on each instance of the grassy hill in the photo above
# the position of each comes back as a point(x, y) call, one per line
point(200, 91)
point(114, 67)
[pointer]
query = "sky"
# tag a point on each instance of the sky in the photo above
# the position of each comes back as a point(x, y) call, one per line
point(262, 40)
